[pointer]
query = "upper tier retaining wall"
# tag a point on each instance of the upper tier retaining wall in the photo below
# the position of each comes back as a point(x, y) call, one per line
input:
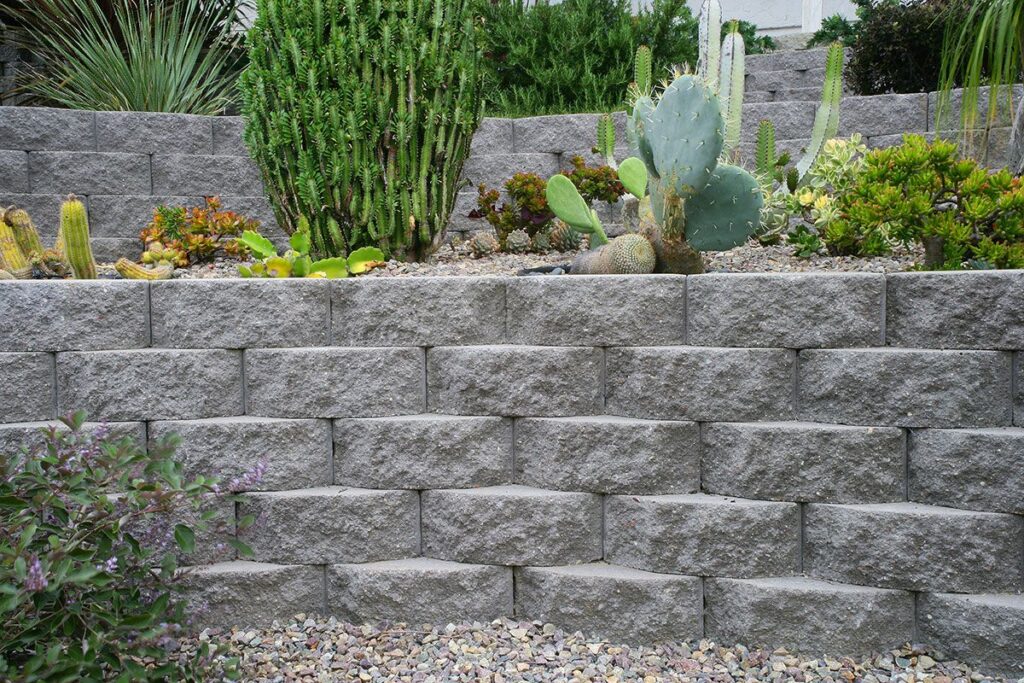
point(822, 461)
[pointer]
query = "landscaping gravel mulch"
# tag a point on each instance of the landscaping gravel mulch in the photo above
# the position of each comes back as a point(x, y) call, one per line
point(507, 651)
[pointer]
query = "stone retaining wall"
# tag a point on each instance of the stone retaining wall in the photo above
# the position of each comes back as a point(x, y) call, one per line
point(816, 460)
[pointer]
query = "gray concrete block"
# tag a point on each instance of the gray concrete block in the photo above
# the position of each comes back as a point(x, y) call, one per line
point(493, 170)
point(511, 525)
point(17, 435)
point(786, 78)
point(804, 461)
point(153, 133)
point(81, 315)
point(558, 133)
point(884, 114)
point(947, 115)
point(434, 311)
point(44, 210)
point(334, 382)
point(960, 310)
point(1018, 400)
point(13, 171)
point(257, 208)
point(694, 383)
point(89, 173)
point(295, 453)
point(597, 310)
point(195, 174)
point(812, 94)
point(793, 310)
point(150, 384)
point(514, 381)
point(238, 314)
point(592, 158)
point(618, 604)
point(459, 221)
point(974, 469)
point(914, 547)
point(703, 535)
point(905, 388)
point(608, 455)
point(985, 630)
point(792, 120)
point(252, 593)
point(39, 128)
point(126, 216)
point(418, 591)
point(493, 136)
point(27, 380)
point(227, 136)
point(808, 616)
point(332, 524)
point(109, 249)
point(423, 452)
point(787, 59)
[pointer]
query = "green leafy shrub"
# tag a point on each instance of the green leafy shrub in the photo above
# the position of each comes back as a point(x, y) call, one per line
point(835, 29)
point(88, 557)
point(296, 261)
point(360, 117)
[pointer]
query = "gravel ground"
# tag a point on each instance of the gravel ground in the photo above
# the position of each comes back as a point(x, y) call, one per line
point(506, 651)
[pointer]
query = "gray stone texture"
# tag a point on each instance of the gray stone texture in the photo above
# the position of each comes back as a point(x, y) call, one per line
point(618, 604)
point(884, 114)
point(597, 310)
point(334, 382)
point(608, 455)
point(985, 630)
point(37, 128)
point(44, 209)
point(964, 310)
point(796, 60)
point(703, 535)
point(435, 311)
point(808, 616)
point(418, 591)
point(785, 78)
point(459, 220)
point(295, 453)
point(153, 133)
point(793, 120)
point(423, 452)
point(947, 116)
point(239, 314)
point(514, 381)
point(696, 383)
point(89, 173)
point(805, 462)
point(1018, 383)
point(332, 524)
point(109, 249)
point(914, 547)
point(974, 469)
point(204, 174)
point(493, 136)
point(120, 216)
point(252, 593)
point(511, 525)
point(27, 387)
point(81, 315)
point(13, 171)
point(493, 170)
point(150, 384)
point(792, 310)
point(558, 133)
point(905, 388)
point(227, 136)
point(17, 435)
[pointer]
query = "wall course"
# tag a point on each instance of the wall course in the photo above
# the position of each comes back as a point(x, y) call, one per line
point(153, 133)
point(88, 173)
point(15, 435)
point(227, 136)
point(13, 171)
point(27, 380)
point(38, 128)
point(986, 630)
point(204, 174)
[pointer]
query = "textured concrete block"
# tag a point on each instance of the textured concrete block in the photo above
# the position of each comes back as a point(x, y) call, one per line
point(39, 128)
point(150, 384)
point(793, 120)
point(13, 171)
point(613, 603)
point(44, 209)
point(967, 310)
point(197, 174)
point(17, 435)
point(334, 382)
point(227, 136)
point(1018, 400)
point(694, 383)
point(295, 453)
point(793, 310)
point(598, 310)
point(493, 136)
point(905, 388)
point(459, 220)
point(252, 593)
point(332, 524)
point(884, 114)
point(792, 78)
point(914, 547)
point(808, 616)
point(514, 380)
point(89, 173)
point(493, 170)
point(435, 311)
point(948, 116)
point(608, 455)
point(558, 133)
point(126, 216)
point(418, 591)
point(52, 315)
point(239, 314)
point(985, 630)
point(975, 469)
point(109, 249)
point(511, 525)
point(423, 452)
point(703, 535)
point(153, 133)
point(257, 208)
point(27, 381)
point(787, 59)
point(803, 461)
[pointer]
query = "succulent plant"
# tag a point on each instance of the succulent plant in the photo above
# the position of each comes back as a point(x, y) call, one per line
point(564, 238)
point(133, 271)
point(629, 254)
point(11, 257)
point(517, 242)
point(296, 261)
point(51, 264)
point(540, 243)
point(25, 232)
point(483, 244)
point(73, 239)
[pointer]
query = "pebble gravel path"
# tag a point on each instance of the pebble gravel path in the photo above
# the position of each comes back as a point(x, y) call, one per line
point(506, 651)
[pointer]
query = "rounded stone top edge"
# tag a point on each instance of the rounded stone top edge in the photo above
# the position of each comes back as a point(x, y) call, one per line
point(911, 508)
point(805, 584)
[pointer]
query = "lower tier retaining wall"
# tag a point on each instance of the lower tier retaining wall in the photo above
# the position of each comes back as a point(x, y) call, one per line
point(821, 461)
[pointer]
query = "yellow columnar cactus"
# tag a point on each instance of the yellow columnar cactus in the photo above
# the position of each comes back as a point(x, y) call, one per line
point(25, 232)
point(74, 239)
point(133, 271)
point(11, 258)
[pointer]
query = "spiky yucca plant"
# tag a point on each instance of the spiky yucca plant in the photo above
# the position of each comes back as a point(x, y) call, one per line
point(360, 116)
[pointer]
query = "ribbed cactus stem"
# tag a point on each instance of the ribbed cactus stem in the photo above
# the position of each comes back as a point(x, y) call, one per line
point(74, 239)
point(731, 86)
point(606, 139)
point(826, 120)
point(133, 271)
point(643, 72)
point(24, 231)
point(710, 46)
point(764, 156)
point(11, 257)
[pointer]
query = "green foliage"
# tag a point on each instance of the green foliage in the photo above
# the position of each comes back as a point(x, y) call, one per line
point(806, 242)
point(826, 118)
point(756, 44)
point(517, 242)
point(297, 262)
point(606, 139)
point(182, 236)
point(89, 582)
point(835, 29)
point(360, 116)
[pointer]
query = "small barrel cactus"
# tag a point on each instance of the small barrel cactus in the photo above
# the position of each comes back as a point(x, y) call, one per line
point(629, 254)
point(517, 242)
point(564, 238)
point(540, 243)
point(483, 244)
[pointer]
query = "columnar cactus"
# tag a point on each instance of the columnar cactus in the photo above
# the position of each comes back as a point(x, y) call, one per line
point(73, 239)
point(134, 271)
point(11, 257)
point(25, 232)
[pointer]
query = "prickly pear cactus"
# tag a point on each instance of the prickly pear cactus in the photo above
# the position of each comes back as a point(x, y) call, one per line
point(483, 244)
point(564, 238)
point(517, 242)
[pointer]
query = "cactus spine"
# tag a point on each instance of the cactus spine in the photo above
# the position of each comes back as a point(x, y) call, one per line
point(133, 271)
point(11, 258)
point(74, 239)
point(826, 119)
point(24, 231)
point(731, 86)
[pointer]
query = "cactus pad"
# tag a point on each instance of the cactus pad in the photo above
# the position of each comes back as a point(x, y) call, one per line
point(686, 137)
point(726, 213)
